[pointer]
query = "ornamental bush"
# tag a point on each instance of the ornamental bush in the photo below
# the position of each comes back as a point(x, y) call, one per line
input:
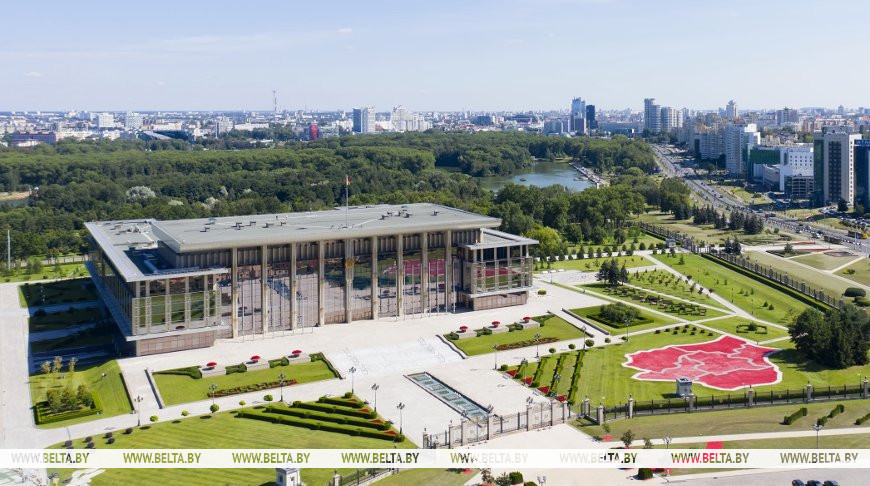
point(214, 407)
point(154, 418)
point(268, 398)
point(855, 292)
point(644, 473)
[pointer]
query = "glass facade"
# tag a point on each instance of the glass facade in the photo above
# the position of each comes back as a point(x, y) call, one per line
point(312, 292)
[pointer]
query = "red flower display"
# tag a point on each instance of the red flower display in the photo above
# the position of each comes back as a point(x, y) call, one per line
point(495, 323)
point(727, 363)
point(211, 363)
point(255, 358)
point(297, 352)
point(463, 328)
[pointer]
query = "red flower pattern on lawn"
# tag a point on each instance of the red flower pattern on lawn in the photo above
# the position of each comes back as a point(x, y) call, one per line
point(727, 363)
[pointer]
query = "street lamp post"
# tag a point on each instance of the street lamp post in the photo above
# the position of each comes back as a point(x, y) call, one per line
point(585, 336)
point(817, 428)
point(537, 342)
point(523, 365)
point(495, 364)
point(400, 407)
point(139, 410)
point(213, 387)
point(281, 379)
point(352, 372)
point(375, 389)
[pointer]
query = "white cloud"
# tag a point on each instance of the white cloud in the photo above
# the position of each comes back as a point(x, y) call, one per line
point(345, 30)
point(33, 74)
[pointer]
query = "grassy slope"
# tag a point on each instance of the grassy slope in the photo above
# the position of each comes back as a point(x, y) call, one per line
point(657, 320)
point(553, 327)
point(729, 325)
point(862, 272)
point(592, 264)
point(224, 431)
point(817, 278)
point(609, 292)
point(110, 390)
point(727, 283)
point(822, 261)
point(649, 280)
point(177, 389)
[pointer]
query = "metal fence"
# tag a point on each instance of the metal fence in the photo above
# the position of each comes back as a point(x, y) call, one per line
point(359, 477)
point(468, 431)
point(747, 399)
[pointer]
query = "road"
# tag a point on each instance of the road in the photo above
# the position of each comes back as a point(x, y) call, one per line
point(707, 194)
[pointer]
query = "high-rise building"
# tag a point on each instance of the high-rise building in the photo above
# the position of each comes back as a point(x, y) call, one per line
point(796, 171)
point(578, 116)
point(364, 120)
point(731, 110)
point(862, 173)
point(105, 120)
point(834, 164)
point(738, 139)
point(671, 119)
point(554, 127)
point(132, 121)
point(786, 116)
point(652, 116)
point(313, 131)
point(591, 123)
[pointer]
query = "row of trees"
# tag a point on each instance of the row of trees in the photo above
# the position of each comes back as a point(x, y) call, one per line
point(750, 224)
point(612, 273)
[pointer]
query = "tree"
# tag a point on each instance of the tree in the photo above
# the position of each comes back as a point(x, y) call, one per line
point(72, 365)
point(627, 438)
point(214, 407)
point(789, 249)
point(45, 367)
point(647, 444)
point(549, 240)
point(842, 206)
point(838, 338)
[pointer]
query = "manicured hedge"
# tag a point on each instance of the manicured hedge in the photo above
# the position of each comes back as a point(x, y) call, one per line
point(43, 414)
point(239, 368)
point(317, 425)
point(770, 283)
point(526, 343)
point(789, 419)
point(320, 357)
point(191, 371)
point(323, 407)
point(250, 388)
point(855, 292)
point(274, 363)
point(327, 417)
point(342, 402)
point(840, 408)
point(863, 419)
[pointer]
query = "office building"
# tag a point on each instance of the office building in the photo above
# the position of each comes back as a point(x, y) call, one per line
point(796, 171)
point(787, 116)
point(578, 122)
point(738, 139)
point(652, 116)
point(833, 165)
point(590, 117)
point(554, 127)
point(364, 120)
point(105, 120)
point(862, 173)
point(132, 121)
point(173, 285)
point(731, 111)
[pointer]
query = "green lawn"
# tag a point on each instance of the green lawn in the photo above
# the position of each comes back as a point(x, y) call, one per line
point(110, 390)
point(428, 477)
point(861, 272)
point(223, 431)
point(745, 292)
point(762, 333)
point(552, 326)
point(666, 283)
point(666, 303)
point(707, 232)
point(64, 270)
point(646, 320)
point(59, 292)
point(604, 375)
point(738, 421)
point(824, 262)
point(592, 264)
point(548, 363)
point(177, 389)
point(818, 278)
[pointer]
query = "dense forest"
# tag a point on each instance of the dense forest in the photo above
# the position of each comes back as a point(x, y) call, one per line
point(76, 182)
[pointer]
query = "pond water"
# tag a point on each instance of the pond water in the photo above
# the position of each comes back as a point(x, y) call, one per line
point(541, 174)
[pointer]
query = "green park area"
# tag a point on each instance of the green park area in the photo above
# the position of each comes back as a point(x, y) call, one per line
point(814, 277)
point(826, 260)
point(45, 272)
point(104, 382)
point(740, 420)
point(707, 233)
point(55, 293)
point(747, 329)
point(654, 301)
point(258, 427)
point(760, 300)
point(666, 283)
point(553, 329)
point(644, 320)
point(182, 386)
point(592, 264)
point(857, 272)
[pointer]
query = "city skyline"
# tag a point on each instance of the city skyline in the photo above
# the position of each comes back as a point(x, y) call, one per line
point(521, 56)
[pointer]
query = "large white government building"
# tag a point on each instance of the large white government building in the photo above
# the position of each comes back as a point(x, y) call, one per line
point(173, 285)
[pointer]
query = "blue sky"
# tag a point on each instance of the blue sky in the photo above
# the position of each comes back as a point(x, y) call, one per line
point(433, 55)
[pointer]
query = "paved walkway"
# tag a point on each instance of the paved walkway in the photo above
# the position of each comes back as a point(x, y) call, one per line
point(752, 436)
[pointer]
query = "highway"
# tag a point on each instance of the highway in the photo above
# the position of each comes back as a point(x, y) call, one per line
point(706, 194)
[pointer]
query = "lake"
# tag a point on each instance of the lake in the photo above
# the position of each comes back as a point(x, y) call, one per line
point(541, 174)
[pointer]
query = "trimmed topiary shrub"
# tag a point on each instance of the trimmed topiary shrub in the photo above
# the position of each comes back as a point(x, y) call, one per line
point(855, 292)
point(644, 473)
point(214, 407)
point(268, 398)
point(153, 418)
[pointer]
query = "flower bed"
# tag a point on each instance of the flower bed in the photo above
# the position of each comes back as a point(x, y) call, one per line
point(527, 343)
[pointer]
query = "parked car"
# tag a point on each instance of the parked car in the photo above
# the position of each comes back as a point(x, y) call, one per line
point(798, 482)
point(814, 482)
point(831, 482)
